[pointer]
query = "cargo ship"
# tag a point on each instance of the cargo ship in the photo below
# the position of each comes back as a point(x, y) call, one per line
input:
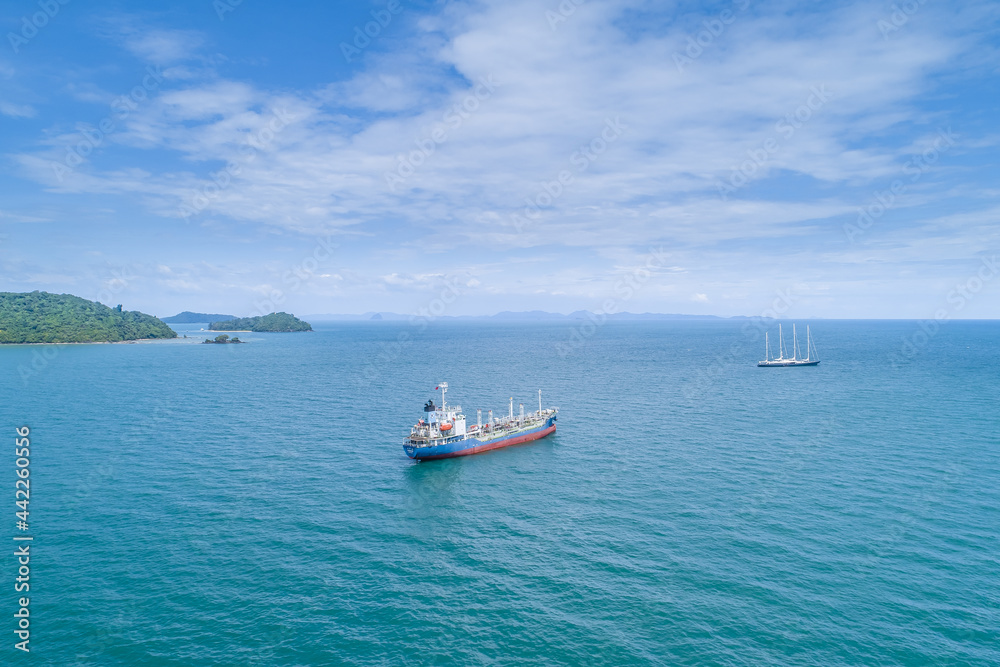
point(443, 433)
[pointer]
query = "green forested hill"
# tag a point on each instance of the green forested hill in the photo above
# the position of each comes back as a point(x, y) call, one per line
point(279, 322)
point(40, 317)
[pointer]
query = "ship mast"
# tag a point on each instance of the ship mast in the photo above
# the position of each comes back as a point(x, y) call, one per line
point(767, 348)
point(539, 401)
point(444, 390)
point(795, 344)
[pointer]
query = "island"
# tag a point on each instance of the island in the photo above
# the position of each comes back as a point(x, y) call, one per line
point(187, 317)
point(223, 339)
point(41, 317)
point(275, 322)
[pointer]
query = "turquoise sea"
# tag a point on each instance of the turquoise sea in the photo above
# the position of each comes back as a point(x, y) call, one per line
point(252, 505)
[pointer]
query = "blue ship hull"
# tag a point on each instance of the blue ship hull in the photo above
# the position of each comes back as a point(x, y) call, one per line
point(467, 445)
point(778, 363)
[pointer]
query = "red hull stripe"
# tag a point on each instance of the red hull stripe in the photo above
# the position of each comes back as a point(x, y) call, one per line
point(494, 445)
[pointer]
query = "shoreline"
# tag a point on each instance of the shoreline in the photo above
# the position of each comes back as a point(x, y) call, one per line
point(100, 342)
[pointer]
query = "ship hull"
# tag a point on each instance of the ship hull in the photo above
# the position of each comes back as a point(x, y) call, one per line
point(474, 445)
point(785, 364)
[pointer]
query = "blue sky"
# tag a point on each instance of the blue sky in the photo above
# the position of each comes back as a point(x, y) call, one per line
point(839, 158)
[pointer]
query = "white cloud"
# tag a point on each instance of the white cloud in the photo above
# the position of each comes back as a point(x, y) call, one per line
point(556, 90)
point(16, 110)
point(162, 47)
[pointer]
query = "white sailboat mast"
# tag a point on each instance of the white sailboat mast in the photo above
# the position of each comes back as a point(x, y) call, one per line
point(811, 344)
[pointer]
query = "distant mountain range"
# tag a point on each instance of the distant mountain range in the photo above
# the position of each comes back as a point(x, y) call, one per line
point(187, 317)
point(530, 315)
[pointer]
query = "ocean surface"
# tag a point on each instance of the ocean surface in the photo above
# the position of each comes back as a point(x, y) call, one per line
point(252, 505)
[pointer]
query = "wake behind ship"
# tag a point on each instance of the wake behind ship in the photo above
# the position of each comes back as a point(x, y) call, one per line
point(443, 433)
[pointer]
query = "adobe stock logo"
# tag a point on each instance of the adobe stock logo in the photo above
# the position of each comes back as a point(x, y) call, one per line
point(627, 286)
point(581, 159)
point(453, 118)
point(95, 136)
point(565, 9)
point(957, 298)
point(713, 29)
point(372, 29)
point(31, 26)
point(899, 17)
point(255, 142)
point(758, 158)
point(885, 200)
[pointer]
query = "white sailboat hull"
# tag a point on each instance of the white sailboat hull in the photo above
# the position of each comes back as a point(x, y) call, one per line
point(787, 362)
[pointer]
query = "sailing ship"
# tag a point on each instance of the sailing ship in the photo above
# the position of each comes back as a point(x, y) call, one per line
point(796, 359)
